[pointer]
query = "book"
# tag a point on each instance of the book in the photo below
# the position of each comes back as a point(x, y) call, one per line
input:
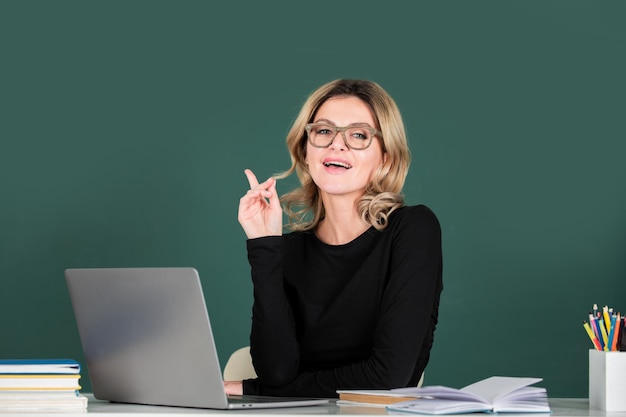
point(494, 394)
point(36, 394)
point(39, 382)
point(42, 401)
point(39, 366)
point(372, 397)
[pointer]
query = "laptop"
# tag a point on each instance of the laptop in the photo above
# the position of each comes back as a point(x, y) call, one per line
point(147, 339)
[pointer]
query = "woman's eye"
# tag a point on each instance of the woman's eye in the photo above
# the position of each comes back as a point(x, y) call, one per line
point(323, 131)
point(357, 134)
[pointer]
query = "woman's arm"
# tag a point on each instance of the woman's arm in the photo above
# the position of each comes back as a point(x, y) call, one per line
point(273, 346)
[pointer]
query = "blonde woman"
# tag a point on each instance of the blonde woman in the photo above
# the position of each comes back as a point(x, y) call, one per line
point(349, 298)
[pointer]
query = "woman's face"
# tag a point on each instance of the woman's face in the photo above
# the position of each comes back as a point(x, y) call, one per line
point(337, 169)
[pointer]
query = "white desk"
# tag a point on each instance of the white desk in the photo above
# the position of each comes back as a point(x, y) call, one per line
point(561, 407)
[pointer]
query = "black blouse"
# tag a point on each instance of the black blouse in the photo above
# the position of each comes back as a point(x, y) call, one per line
point(355, 316)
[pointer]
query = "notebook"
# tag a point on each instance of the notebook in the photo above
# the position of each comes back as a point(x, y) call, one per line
point(147, 339)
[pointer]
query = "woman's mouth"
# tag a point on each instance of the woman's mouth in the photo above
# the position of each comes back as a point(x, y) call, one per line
point(338, 164)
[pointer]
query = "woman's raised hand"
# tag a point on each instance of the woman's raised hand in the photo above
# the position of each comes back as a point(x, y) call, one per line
point(260, 213)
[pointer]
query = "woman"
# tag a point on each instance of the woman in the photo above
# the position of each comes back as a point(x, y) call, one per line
point(349, 299)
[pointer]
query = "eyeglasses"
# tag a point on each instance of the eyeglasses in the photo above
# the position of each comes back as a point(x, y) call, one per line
point(321, 135)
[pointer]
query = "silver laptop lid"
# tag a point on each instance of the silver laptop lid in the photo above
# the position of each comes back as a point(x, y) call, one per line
point(146, 336)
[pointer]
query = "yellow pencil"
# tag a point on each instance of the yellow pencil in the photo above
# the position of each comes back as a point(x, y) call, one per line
point(607, 319)
point(592, 336)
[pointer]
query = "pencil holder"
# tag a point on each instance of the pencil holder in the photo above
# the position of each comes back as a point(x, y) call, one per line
point(607, 380)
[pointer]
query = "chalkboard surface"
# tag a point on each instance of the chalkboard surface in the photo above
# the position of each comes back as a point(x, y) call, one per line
point(125, 128)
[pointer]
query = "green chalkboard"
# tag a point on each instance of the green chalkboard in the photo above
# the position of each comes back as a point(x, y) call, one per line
point(125, 127)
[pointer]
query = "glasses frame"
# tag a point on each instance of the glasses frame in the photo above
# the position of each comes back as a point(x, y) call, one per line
point(342, 129)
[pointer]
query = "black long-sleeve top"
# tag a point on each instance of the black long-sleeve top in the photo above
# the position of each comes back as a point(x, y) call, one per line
point(356, 316)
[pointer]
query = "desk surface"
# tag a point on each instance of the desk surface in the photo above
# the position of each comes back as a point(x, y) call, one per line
point(561, 407)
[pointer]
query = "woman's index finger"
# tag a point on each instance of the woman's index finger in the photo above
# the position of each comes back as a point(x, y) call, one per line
point(251, 178)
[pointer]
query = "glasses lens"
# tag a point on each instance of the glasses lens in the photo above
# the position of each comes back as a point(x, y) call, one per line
point(322, 135)
point(358, 137)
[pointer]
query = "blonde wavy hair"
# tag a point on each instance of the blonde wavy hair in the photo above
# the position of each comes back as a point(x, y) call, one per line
point(383, 195)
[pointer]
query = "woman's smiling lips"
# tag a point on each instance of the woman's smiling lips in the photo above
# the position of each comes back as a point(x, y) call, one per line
point(335, 164)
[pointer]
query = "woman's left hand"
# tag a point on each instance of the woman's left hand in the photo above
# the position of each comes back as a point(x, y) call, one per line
point(233, 387)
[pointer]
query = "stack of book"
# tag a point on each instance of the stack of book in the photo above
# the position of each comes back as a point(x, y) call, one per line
point(40, 385)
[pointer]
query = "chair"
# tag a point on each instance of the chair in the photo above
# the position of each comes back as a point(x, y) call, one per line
point(239, 366)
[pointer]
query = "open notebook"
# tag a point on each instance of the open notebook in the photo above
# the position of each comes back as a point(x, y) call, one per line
point(147, 339)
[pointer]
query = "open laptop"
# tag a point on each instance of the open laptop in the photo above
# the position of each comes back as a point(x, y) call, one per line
point(147, 339)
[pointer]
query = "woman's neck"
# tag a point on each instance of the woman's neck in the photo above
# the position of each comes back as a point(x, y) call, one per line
point(342, 223)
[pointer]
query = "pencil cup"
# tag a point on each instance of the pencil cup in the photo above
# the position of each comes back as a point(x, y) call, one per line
point(607, 380)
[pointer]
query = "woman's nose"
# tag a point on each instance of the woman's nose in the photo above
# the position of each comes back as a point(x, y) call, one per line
point(339, 142)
